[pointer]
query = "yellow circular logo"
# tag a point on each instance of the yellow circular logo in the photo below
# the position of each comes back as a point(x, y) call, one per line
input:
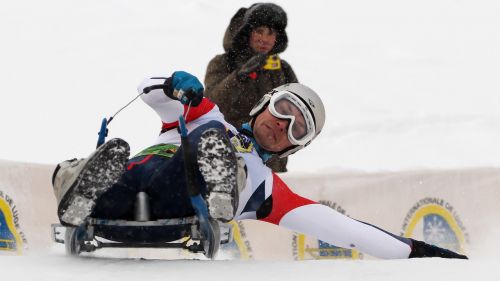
point(436, 222)
point(240, 247)
point(10, 238)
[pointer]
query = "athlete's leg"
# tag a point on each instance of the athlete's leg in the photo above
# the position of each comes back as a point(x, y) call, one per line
point(216, 168)
point(78, 183)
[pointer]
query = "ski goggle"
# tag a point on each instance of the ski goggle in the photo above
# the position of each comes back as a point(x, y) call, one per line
point(285, 105)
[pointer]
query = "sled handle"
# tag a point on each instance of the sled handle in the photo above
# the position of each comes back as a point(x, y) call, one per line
point(103, 133)
point(189, 167)
point(197, 200)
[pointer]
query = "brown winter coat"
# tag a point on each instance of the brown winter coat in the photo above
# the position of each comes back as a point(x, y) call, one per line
point(235, 96)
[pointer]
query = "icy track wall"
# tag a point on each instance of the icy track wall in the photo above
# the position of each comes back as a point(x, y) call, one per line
point(456, 209)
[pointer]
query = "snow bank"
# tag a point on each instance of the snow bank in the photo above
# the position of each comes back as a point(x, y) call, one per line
point(456, 209)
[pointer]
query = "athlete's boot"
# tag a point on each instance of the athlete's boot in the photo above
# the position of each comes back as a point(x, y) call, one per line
point(223, 171)
point(421, 249)
point(79, 182)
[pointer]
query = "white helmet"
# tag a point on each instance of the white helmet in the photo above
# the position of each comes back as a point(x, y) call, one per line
point(307, 101)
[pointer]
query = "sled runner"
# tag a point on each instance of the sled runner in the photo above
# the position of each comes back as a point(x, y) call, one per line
point(183, 233)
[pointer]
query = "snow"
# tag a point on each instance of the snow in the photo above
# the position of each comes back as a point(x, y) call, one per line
point(406, 85)
point(109, 269)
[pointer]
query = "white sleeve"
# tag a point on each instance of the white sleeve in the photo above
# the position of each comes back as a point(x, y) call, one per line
point(167, 108)
point(332, 227)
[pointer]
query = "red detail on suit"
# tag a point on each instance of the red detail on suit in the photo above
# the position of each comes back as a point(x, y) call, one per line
point(284, 200)
point(194, 112)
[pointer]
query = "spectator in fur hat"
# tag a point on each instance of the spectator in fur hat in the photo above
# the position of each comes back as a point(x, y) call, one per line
point(250, 66)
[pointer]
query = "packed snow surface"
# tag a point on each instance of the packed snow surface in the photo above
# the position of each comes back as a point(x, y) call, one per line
point(56, 266)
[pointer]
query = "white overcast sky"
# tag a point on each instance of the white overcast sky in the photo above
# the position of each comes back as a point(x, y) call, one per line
point(406, 84)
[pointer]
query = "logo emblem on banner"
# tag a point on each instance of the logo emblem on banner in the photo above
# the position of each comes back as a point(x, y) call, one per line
point(240, 247)
point(436, 222)
point(10, 238)
point(305, 247)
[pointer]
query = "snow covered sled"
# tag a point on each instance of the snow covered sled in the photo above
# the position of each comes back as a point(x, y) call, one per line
point(187, 233)
point(198, 234)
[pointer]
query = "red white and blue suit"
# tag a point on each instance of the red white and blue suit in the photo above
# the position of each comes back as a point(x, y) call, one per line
point(266, 197)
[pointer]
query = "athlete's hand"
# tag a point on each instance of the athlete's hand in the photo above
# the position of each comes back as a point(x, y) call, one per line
point(180, 86)
point(184, 87)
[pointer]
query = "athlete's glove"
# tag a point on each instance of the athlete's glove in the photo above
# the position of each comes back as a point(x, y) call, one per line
point(254, 64)
point(181, 86)
point(186, 88)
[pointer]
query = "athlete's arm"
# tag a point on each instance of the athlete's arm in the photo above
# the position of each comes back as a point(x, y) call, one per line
point(168, 109)
point(302, 215)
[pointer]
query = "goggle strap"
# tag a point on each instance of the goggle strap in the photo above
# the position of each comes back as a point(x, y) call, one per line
point(284, 152)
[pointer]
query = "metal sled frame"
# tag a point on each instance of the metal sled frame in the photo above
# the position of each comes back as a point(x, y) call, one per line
point(91, 235)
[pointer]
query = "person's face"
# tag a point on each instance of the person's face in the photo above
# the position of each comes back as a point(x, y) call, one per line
point(271, 133)
point(262, 39)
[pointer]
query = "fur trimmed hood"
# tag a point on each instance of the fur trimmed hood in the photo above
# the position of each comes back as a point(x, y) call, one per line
point(237, 36)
